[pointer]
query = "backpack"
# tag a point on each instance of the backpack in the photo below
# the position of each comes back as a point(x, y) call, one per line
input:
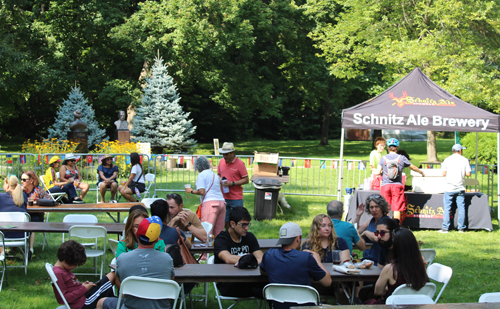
point(175, 252)
point(392, 167)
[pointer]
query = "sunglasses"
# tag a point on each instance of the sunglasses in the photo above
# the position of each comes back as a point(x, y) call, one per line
point(244, 225)
point(374, 196)
point(24, 179)
point(381, 233)
point(173, 195)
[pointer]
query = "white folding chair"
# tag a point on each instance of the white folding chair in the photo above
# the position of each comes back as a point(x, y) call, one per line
point(291, 293)
point(2, 259)
point(21, 242)
point(80, 219)
point(149, 288)
point(148, 201)
point(55, 196)
point(428, 289)
point(53, 280)
point(231, 298)
point(113, 245)
point(150, 179)
point(85, 232)
point(429, 255)
point(416, 299)
point(441, 274)
point(490, 298)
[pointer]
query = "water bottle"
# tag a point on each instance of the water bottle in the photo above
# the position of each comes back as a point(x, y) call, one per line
point(224, 189)
point(137, 193)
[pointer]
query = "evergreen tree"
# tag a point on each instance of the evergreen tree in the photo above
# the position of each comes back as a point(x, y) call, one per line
point(76, 101)
point(160, 119)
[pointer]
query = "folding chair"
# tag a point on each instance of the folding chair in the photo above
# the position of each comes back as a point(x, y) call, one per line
point(149, 288)
point(53, 280)
point(55, 196)
point(150, 179)
point(80, 219)
point(2, 259)
point(21, 242)
point(291, 293)
point(113, 245)
point(428, 289)
point(148, 201)
point(221, 297)
point(490, 298)
point(85, 232)
point(441, 274)
point(429, 255)
point(417, 299)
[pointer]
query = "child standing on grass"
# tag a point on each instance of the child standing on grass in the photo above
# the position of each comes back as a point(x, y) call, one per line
point(70, 255)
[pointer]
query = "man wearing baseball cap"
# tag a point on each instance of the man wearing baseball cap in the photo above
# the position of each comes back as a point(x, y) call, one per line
point(288, 265)
point(144, 261)
point(454, 169)
point(235, 172)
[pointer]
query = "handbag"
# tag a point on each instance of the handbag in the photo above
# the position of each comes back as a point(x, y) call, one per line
point(198, 210)
point(175, 253)
point(46, 202)
point(187, 257)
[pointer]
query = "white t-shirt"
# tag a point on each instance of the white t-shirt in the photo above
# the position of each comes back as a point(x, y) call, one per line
point(455, 167)
point(204, 181)
point(136, 169)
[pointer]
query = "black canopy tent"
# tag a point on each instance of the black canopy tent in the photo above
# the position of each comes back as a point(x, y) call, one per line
point(417, 103)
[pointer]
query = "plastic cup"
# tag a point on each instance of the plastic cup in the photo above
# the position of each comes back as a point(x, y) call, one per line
point(336, 256)
point(187, 186)
point(30, 202)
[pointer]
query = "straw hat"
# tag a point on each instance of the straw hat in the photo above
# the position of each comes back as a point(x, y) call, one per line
point(227, 148)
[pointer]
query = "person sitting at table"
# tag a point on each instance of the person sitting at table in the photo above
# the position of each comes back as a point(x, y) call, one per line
point(406, 266)
point(129, 243)
point(185, 219)
point(86, 295)
point(385, 227)
point(168, 234)
point(107, 177)
point(69, 171)
point(343, 229)
point(135, 179)
point(54, 185)
point(13, 200)
point(230, 245)
point(288, 265)
point(31, 186)
point(377, 207)
point(323, 240)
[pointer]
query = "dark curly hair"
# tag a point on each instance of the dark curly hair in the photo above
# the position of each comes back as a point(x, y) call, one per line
point(72, 252)
point(380, 201)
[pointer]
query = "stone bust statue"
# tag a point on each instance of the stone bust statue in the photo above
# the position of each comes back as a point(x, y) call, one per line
point(121, 123)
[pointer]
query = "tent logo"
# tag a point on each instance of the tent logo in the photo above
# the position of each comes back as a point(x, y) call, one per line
point(406, 100)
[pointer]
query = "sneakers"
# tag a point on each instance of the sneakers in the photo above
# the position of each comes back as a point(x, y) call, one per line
point(461, 231)
point(78, 201)
point(443, 231)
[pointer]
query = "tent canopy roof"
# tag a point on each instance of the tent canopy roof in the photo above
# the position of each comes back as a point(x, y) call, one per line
point(417, 103)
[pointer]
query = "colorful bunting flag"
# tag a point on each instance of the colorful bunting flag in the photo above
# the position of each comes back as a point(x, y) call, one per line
point(250, 160)
point(38, 160)
point(485, 169)
point(350, 165)
point(181, 160)
point(307, 163)
point(89, 159)
point(280, 163)
point(293, 162)
point(62, 157)
point(322, 164)
point(192, 160)
point(127, 160)
point(22, 159)
point(473, 169)
point(152, 157)
point(335, 164)
point(78, 158)
point(9, 159)
point(361, 166)
point(46, 159)
point(140, 158)
point(99, 160)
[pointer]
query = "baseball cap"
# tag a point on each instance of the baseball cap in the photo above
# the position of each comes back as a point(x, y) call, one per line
point(288, 232)
point(393, 142)
point(457, 147)
point(149, 229)
point(54, 159)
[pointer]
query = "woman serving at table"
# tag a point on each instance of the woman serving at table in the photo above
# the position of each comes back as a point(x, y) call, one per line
point(135, 179)
point(69, 171)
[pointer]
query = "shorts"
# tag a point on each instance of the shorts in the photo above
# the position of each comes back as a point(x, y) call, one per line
point(230, 204)
point(139, 185)
point(110, 303)
point(99, 183)
point(394, 195)
point(104, 288)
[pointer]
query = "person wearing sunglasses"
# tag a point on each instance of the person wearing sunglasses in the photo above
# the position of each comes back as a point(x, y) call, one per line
point(69, 171)
point(13, 200)
point(230, 245)
point(376, 206)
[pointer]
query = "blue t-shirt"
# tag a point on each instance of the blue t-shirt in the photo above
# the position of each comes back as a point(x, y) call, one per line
point(7, 205)
point(169, 235)
point(403, 162)
point(374, 252)
point(340, 244)
point(346, 231)
point(107, 171)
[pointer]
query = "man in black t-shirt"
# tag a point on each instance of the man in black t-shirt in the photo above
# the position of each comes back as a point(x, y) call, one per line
point(230, 245)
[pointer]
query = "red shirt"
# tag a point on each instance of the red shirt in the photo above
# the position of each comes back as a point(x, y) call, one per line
point(72, 289)
point(233, 171)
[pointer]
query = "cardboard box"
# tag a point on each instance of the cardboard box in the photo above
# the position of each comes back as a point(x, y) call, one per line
point(265, 163)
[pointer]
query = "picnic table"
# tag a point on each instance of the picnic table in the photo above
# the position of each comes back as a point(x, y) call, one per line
point(102, 207)
point(434, 306)
point(55, 227)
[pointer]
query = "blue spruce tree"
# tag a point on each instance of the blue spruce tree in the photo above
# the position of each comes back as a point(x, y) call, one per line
point(160, 119)
point(76, 101)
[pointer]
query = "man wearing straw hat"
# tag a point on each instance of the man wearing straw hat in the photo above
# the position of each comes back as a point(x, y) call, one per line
point(235, 172)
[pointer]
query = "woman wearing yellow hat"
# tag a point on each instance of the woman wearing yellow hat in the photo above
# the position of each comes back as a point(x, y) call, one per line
point(54, 185)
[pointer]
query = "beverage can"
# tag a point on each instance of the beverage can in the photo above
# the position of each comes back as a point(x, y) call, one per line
point(210, 240)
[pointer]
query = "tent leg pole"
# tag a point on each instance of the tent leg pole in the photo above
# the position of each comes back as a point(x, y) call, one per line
point(341, 166)
point(498, 175)
point(477, 137)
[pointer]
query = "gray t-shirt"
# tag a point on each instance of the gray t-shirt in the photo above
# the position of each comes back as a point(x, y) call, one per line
point(145, 263)
point(403, 162)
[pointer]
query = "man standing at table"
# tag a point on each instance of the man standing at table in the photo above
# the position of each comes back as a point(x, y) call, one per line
point(455, 168)
point(344, 229)
point(144, 261)
point(230, 245)
point(290, 266)
point(236, 175)
point(185, 219)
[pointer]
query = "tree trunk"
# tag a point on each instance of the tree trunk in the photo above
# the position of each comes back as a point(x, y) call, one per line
point(326, 123)
point(131, 108)
point(431, 147)
point(376, 133)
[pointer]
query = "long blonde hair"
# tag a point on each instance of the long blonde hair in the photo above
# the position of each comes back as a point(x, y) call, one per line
point(15, 190)
point(313, 240)
point(130, 239)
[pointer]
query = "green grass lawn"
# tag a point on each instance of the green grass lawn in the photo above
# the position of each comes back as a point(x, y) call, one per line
point(474, 256)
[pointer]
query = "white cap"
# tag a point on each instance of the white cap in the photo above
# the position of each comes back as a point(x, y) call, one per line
point(457, 147)
point(288, 232)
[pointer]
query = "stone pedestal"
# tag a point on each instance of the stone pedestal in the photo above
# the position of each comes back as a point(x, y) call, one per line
point(81, 138)
point(123, 136)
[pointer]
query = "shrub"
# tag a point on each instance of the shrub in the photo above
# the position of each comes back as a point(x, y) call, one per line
point(115, 147)
point(487, 143)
